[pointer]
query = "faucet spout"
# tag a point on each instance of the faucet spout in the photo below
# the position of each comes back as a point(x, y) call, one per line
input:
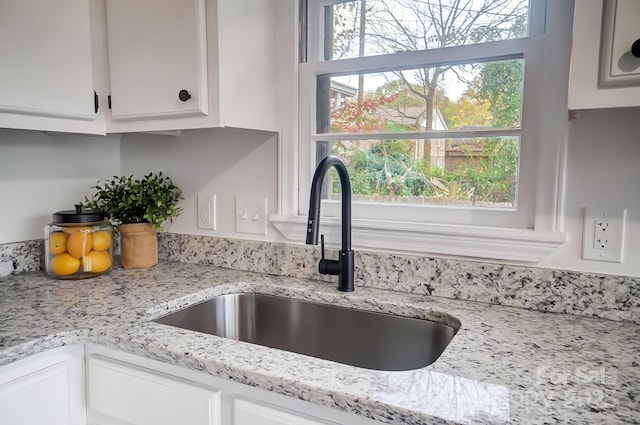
point(343, 267)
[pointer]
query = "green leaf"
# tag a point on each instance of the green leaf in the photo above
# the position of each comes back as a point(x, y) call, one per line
point(124, 199)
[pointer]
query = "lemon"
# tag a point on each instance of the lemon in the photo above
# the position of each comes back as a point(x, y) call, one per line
point(64, 264)
point(96, 262)
point(72, 229)
point(80, 243)
point(58, 243)
point(101, 240)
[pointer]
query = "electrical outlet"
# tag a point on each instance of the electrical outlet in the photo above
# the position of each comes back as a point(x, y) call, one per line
point(251, 215)
point(207, 212)
point(603, 235)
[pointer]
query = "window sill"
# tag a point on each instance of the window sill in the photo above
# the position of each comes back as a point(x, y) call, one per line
point(483, 243)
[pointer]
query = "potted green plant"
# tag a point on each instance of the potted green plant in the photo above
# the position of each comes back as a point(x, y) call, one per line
point(138, 208)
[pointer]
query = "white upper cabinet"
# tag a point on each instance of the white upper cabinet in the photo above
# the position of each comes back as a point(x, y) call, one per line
point(247, 63)
point(46, 66)
point(157, 58)
point(166, 64)
point(605, 58)
point(225, 70)
point(620, 47)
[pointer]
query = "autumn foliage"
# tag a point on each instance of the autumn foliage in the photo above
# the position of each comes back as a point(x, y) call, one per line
point(353, 118)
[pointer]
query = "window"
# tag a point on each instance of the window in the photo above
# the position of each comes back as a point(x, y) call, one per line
point(478, 168)
point(439, 108)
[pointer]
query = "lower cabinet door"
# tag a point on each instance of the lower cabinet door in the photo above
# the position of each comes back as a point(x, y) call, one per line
point(246, 412)
point(120, 393)
point(44, 389)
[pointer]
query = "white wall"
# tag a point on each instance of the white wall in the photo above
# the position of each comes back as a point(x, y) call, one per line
point(603, 171)
point(224, 162)
point(40, 174)
point(44, 173)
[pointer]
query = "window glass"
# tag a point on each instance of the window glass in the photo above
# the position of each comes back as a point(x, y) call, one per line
point(374, 27)
point(462, 172)
point(423, 100)
point(472, 96)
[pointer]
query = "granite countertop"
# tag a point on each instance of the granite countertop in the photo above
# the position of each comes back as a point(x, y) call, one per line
point(505, 365)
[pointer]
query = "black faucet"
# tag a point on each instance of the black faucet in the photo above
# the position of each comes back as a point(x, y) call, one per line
point(343, 267)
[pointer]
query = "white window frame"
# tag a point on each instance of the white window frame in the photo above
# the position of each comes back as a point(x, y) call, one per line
point(524, 236)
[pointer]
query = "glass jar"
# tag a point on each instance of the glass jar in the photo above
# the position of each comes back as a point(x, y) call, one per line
point(78, 244)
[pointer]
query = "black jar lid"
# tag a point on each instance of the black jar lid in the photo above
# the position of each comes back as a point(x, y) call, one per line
point(77, 216)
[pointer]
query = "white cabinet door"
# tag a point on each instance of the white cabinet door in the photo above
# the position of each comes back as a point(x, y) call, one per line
point(619, 60)
point(157, 58)
point(44, 389)
point(46, 64)
point(167, 65)
point(128, 389)
point(122, 394)
point(247, 68)
point(246, 412)
point(222, 52)
point(602, 66)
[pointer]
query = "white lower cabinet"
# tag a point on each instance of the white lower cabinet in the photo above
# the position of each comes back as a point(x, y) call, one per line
point(77, 385)
point(47, 388)
point(247, 412)
point(123, 394)
point(124, 389)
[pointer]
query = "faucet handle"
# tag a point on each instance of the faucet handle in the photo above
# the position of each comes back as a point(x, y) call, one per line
point(322, 246)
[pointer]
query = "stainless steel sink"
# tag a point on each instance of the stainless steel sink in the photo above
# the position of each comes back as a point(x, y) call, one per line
point(345, 335)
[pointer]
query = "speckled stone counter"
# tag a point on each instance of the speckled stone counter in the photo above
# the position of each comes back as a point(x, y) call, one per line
point(505, 365)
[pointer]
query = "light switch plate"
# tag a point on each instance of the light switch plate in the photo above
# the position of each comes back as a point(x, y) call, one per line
point(251, 215)
point(603, 234)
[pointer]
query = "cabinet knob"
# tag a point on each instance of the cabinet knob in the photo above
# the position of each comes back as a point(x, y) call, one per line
point(184, 95)
point(635, 48)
